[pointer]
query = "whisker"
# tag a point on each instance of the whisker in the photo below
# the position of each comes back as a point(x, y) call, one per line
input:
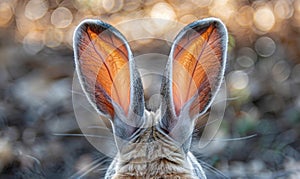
point(82, 135)
point(87, 169)
point(87, 108)
point(97, 127)
point(234, 139)
point(227, 99)
point(33, 158)
point(206, 124)
point(233, 98)
point(77, 92)
point(102, 169)
point(36, 170)
point(213, 169)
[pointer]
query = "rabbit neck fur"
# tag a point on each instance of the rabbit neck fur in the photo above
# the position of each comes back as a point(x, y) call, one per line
point(153, 154)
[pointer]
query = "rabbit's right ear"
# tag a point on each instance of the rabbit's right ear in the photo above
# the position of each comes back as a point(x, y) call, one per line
point(194, 70)
point(107, 72)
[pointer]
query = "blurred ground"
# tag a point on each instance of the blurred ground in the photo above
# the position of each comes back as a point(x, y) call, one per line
point(36, 74)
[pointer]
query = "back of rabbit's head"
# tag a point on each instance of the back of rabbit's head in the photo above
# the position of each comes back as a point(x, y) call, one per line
point(152, 144)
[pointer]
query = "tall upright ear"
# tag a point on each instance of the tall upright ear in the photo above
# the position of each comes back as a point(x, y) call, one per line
point(195, 68)
point(107, 72)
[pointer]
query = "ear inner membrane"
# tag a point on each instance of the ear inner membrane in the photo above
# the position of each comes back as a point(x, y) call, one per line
point(103, 59)
point(196, 67)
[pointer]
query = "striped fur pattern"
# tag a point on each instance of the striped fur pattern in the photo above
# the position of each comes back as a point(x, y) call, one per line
point(152, 154)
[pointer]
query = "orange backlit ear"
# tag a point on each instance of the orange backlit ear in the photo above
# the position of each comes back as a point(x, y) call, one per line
point(198, 58)
point(106, 68)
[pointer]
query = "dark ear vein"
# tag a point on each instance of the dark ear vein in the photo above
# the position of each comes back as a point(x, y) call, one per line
point(198, 59)
point(106, 67)
point(112, 44)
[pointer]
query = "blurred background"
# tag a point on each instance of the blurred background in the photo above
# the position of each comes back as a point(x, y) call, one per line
point(36, 73)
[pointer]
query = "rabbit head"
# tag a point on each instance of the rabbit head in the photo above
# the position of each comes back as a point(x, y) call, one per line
point(151, 144)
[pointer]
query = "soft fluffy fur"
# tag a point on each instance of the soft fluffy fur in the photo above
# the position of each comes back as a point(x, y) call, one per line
point(154, 155)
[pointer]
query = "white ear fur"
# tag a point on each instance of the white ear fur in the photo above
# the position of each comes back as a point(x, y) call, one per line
point(224, 44)
point(136, 93)
point(76, 37)
point(169, 70)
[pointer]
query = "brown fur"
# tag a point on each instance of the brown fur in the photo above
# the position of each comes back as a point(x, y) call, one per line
point(152, 155)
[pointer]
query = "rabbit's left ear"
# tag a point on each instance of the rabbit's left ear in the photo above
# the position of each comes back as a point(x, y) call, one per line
point(195, 68)
point(108, 75)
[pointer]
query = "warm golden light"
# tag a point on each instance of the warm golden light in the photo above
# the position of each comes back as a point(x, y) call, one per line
point(163, 11)
point(132, 5)
point(264, 19)
point(201, 3)
point(24, 25)
point(53, 37)
point(69, 36)
point(244, 17)
point(35, 9)
point(108, 5)
point(223, 9)
point(6, 13)
point(297, 5)
point(32, 42)
point(112, 6)
point(163, 15)
point(238, 80)
point(245, 20)
point(188, 18)
point(61, 17)
point(283, 9)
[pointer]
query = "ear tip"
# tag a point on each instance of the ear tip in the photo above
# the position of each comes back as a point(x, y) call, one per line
point(94, 25)
point(216, 22)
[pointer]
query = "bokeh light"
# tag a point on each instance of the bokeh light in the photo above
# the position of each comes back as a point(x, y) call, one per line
point(281, 71)
point(201, 3)
point(238, 80)
point(112, 6)
point(264, 19)
point(61, 17)
point(162, 11)
point(262, 79)
point(245, 20)
point(244, 17)
point(6, 13)
point(35, 9)
point(283, 9)
point(245, 61)
point(31, 43)
point(228, 9)
point(53, 37)
point(265, 46)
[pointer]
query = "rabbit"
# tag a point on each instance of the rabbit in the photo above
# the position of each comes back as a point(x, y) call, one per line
point(151, 144)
